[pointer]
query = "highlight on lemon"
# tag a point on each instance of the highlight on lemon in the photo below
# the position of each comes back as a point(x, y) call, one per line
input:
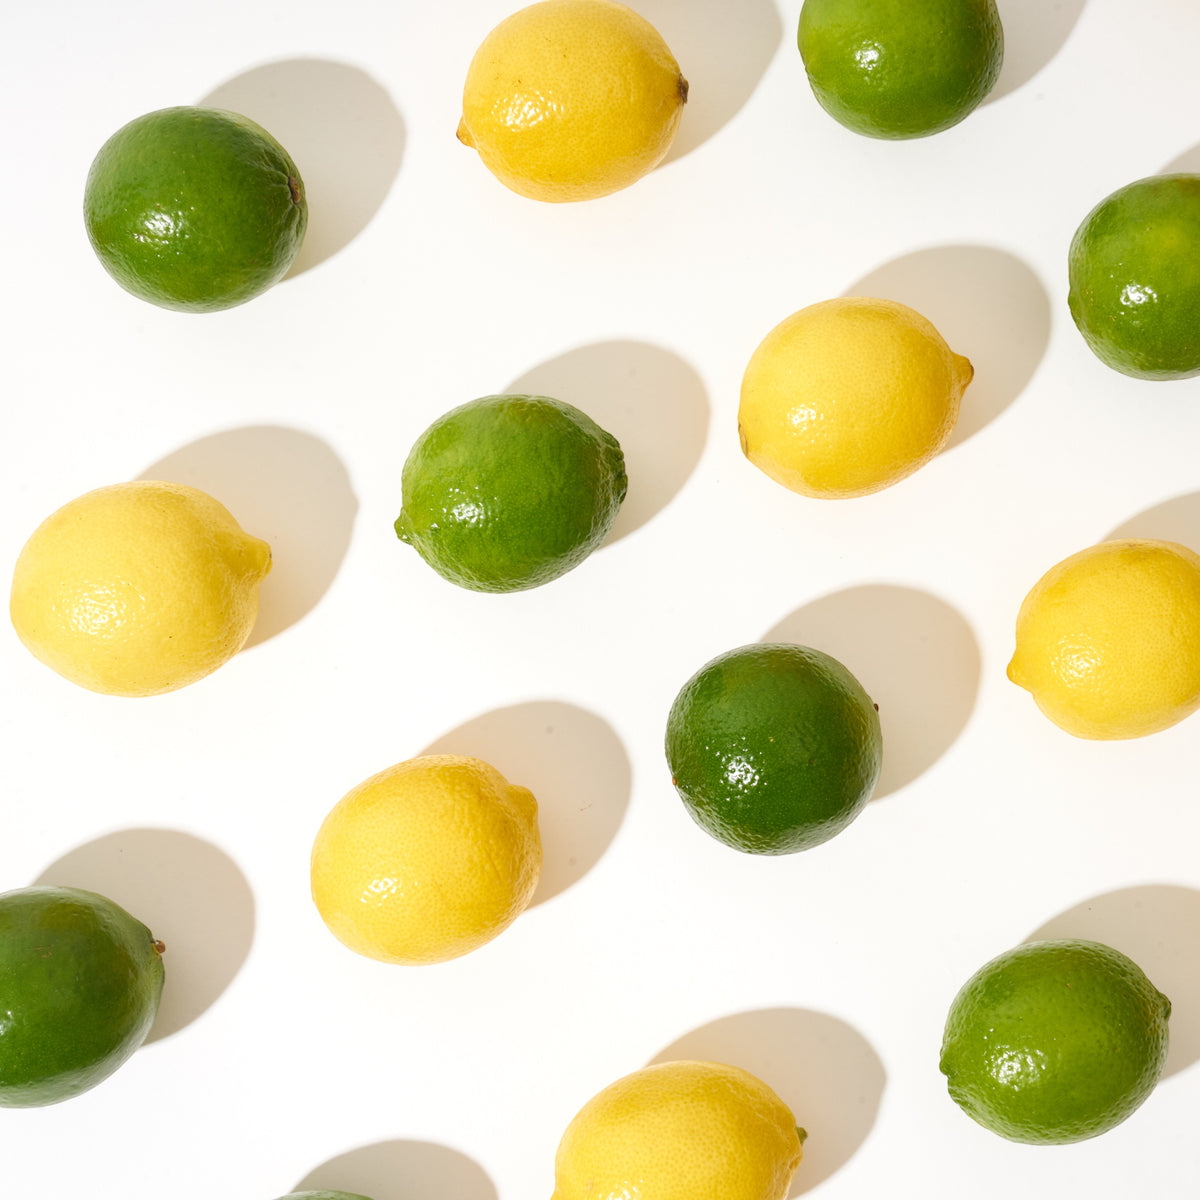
point(1108, 640)
point(572, 99)
point(138, 588)
point(849, 396)
point(678, 1131)
point(427, 860)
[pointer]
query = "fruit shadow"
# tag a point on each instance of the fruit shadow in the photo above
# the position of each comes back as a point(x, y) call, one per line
point(286, 487)
point(402, 1170)
point(576, 768)
point(1158, 926)
point(824, 1070)
point(344, 133)
point(988, 305)
point(1175, 520)
point(916, 657)
point(1186, 163)
point(1034, 32)
point(723, 48)
point(649, 399)
point(191, 896)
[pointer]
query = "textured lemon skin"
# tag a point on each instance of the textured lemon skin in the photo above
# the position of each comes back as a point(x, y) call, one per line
point(849, 396)
point(680, 1131)
point(138, 588)
point(427, 860)
point(1108, 641)
point(572, 99)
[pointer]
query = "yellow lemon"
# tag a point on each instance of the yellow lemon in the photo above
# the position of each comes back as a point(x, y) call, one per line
point(680, 1131)
point(1108, 641)
point(138, 588)
point(572, 99)
point(849, 396)
point(427, 860)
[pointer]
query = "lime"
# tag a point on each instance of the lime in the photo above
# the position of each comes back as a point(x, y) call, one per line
point(510, 492)
point(1134, 273)
point(773, 747)
point(1055, 1041)
point(194, 209)
point(80, 981)
point(895, 69)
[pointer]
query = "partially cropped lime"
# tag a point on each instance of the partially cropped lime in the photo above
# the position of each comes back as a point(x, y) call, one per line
point(773, 747)
point(895, 69)
point(509, 492)
point(195, 209)
point(1134, 273)
point(1055, 1041)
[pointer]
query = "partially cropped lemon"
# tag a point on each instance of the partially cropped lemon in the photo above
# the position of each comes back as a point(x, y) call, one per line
point(680, 1131)
point(1108, 641)
point(849, 396)
point(138, 588)
point(572, 99)
point(427, 860)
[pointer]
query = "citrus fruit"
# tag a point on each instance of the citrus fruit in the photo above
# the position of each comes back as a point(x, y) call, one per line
point(138, 588)
point(195, 209)
point(80, 981)
point(773, 747)
point(510, 492)
point(1108, 641)
point(894, 69)
point(427, 860)
point(849, 396)
point(1055, 1041)
point(1134, 274)
point(572, 99)
point(680, 1131)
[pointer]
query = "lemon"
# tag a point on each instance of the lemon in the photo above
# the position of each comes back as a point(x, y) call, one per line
point(427, 860)
point(1108, 641)
point(572, 99)
point(680, 1131)
point(849, 396)
point(138, 588)
point(194, 209)
point(1055, 1041)
point(894, 69)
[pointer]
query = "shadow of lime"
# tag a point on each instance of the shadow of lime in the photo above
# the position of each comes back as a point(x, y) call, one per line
point(1158, 926)
point(1034, 32)
point(1187, 163)
point(287, 487)
point(575, 766)
point(723, 48)
point(191, 896)
point(649, 399)
point(988, 305)
point(344, 133)
point(1175, 520)
point(823, 1069)
point(915, 655)
point(402, 1170)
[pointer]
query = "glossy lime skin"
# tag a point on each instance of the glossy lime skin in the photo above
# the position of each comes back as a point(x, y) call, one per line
point(1055, 1041)
point(80, 981)
point(773, 747)
point(195, 209)
point(1134, 274)
point(509, 492)
point(898, 68)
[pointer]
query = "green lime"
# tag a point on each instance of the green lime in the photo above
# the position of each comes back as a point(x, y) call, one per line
point(1055, 1041)
point(895, 69)
point(773, 747)
point(80, 981)
point(195, 209)
point(510, 492)
point(1134, 272)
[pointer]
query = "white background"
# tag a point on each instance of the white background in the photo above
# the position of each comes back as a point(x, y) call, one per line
point(280, 1059)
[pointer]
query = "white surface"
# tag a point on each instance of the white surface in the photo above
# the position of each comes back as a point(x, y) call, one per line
point(280, 1058)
